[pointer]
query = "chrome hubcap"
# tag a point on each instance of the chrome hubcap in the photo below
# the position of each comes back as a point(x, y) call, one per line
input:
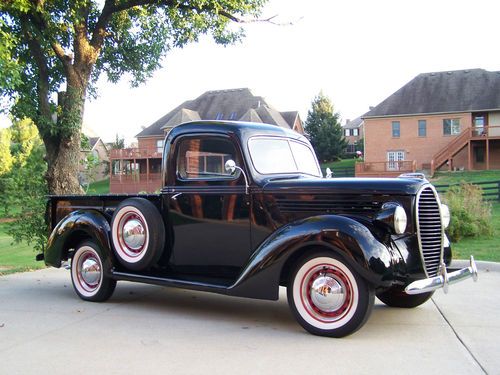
point(327, 293)
point(90, 271)
point(134, 234)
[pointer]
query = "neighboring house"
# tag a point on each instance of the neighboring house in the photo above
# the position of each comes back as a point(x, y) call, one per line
point(438, 120)
point(139, 169)
point(353, 134)
point(100, 150)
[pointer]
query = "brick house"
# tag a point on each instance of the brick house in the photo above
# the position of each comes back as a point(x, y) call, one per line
point(443, 120)
point(353, 133)
point(139, 169)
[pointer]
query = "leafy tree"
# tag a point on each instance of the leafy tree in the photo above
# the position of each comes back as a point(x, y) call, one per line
point(24, 139)
point(46, 45)
point(29, 192)
point(6, 158)
point(323, 127)
point(119, 143)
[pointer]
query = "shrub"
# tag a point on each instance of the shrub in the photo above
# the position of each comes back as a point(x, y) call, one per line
point(470, 214)
point(30, 190)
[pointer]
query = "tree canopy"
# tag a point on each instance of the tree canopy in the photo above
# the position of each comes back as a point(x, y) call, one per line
point(52, 53)
point(323, 127)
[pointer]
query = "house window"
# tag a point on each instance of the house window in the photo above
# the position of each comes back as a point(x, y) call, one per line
point(159, 146)
point(422, 128)
point(355, 132)
point(350, 149)
point(395, 159)
point(451, 126)
point(219, 116)
point(232, 116)
point(347, 132)
point(396, 129)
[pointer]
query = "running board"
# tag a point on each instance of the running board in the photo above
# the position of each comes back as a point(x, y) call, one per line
point(236, 290)
point(165, 281)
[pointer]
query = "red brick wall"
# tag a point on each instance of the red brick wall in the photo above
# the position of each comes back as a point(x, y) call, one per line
point(148, 143)
point(379, 140)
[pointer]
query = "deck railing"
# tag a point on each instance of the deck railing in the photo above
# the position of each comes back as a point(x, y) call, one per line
point(385, 168)
point(135, 182)
point(134, 153)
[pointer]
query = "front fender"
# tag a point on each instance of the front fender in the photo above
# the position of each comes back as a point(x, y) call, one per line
point(76, 226)
point(348, 238)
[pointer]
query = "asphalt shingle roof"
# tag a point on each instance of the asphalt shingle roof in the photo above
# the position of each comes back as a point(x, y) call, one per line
point(353, 124)
point(443, 92)
point(234, 104)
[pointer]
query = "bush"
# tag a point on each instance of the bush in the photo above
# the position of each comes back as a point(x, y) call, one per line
point(470, 214)
point(30, 190)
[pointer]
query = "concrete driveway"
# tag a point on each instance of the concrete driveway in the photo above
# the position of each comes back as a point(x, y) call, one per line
point(46, 329)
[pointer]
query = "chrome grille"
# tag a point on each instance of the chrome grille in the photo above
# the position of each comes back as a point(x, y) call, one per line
point(429, 229)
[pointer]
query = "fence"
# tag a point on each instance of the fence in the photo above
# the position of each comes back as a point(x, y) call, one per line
point(343, 172)
point(491, 189)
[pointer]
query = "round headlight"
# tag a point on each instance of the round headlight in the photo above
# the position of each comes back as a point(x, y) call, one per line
point(400, 220)
point(445, 215)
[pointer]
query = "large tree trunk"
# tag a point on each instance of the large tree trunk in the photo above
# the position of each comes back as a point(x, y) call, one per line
point(63, 149)
point(63, 155)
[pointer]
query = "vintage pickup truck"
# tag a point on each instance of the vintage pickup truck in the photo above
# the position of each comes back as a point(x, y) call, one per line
point(244, 209)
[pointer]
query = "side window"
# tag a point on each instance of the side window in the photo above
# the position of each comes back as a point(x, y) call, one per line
point(204, 157)
point(396, 129)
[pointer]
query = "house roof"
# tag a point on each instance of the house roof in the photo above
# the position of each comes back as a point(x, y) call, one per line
point(234, 104)
point(93, 141)
point(469, 90)
point(353, 124)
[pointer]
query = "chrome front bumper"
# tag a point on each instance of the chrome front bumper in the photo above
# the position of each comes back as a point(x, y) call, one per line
point(443, 279)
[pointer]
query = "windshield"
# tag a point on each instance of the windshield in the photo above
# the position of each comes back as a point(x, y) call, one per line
point(282, 155)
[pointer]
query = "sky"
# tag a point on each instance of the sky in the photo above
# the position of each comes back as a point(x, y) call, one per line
point(356, 52)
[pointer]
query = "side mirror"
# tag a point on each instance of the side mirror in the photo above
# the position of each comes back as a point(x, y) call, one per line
point(231, 167)
point(329, 173)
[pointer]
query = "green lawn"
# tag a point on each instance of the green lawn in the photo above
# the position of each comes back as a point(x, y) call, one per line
point(339, 166)
point(446, 178)
point(16, 257)
point(99, 187)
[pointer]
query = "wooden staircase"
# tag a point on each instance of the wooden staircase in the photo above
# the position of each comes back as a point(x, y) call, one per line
point(450, 150)
point(465, 139)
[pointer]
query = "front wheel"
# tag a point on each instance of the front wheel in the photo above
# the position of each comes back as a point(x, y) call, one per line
point(87, 274)
point(397, 297)
point(327, 297)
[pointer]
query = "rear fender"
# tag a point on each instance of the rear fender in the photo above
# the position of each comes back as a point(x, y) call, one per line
point(74, 228)
point(347, 237)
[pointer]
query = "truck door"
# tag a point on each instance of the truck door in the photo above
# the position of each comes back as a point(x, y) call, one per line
point(208, 207)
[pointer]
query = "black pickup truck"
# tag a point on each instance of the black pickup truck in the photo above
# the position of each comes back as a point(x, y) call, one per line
point(244, 209)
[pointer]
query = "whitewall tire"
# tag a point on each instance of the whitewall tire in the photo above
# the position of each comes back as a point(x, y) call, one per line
point(87, 273)
point(327, 297)
point(138, 234)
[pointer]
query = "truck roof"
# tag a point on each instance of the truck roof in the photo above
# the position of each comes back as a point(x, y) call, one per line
point(242, 129)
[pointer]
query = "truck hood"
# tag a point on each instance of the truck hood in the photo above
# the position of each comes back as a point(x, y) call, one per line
point(389, 186)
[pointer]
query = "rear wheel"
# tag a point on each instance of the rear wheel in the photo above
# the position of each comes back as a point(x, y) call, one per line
point(396, 297)
point(87, 274)
point(327, 297)
point(138, 234)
